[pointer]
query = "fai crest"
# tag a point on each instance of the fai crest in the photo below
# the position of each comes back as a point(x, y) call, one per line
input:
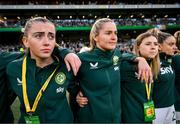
point(115, 60)
point(60, 78)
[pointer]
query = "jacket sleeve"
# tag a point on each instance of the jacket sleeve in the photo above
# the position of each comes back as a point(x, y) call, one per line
point(128, 56)
point(61, 52)
point(11, 94)
point(73, 89)
point(5, 58)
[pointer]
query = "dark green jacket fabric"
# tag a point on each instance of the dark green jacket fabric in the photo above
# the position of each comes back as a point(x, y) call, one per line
point(99, 80)
point(176, 66)
point(53, 106)
point(164, 90)
point(133, 94)
point(6, 94)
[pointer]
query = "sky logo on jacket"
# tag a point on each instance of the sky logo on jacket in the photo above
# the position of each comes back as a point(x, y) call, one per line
point(60, 78)
point(116, 68)
point(165, 70)
point(60, 90)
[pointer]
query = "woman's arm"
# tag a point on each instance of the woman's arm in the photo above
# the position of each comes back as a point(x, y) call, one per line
point(144, 70)
point(70, 58)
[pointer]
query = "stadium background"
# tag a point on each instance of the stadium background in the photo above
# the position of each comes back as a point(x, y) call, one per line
point(74, 19)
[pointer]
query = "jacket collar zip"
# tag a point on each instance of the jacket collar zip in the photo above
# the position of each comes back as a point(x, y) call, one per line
point(164, 56)
point(105, 54)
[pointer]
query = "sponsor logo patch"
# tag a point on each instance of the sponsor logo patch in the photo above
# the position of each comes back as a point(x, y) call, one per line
point(93, 66)
point(19, 81)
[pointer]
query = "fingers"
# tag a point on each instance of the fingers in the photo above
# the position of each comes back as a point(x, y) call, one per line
point(72, 61)
point(139, 73)
point(144, 72)
point(80, 94)
point(77, 64)
point(146, 75)
point(82, 101)
point(150, 76)
point(67, 65)
point(143, 75)
point(74, 66)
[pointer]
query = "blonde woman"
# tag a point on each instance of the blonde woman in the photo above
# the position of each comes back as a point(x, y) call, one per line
point(137, 95)
point(99, 75)
point(40, 79)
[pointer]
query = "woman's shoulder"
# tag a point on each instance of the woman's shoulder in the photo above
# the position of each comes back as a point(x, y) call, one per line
point(9, 56)
point(17, 61)
point(86, 55)
point(176, 61)
point(176, 56)
point(15, 65)
point(129, 63)
point(126, 65)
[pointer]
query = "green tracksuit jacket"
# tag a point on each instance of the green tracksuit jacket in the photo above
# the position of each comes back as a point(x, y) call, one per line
point(53, 106)
point(99, 80)
point(164, 90)
point(133, 94)
point(6, 94)
point(176, 66)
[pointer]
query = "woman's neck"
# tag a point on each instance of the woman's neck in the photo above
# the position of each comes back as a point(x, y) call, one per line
point(42, 62)
point(105, 50)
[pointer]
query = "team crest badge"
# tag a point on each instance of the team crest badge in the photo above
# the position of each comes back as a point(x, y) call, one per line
point(169, 60)
point(115, 60)
point(60, 78)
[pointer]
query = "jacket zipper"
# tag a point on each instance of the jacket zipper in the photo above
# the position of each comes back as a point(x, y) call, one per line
point(110, 96)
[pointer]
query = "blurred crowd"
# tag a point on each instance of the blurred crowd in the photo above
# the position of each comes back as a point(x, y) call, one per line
point(76, 46)
point(85, 2)
point(12, 48)
point(89, 22)
point(125, 46)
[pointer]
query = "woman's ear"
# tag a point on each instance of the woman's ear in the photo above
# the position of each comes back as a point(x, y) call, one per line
point(160, 47)
point(138, 52)
point(25, 42)
point(96, 39)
